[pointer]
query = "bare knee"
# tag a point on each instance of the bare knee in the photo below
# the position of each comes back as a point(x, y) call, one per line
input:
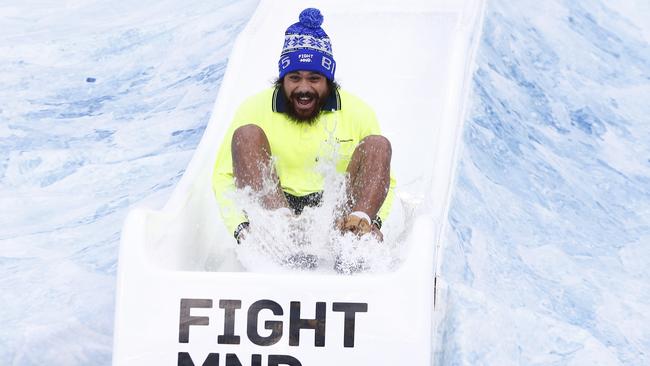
point(249, 135)
point(377, 144)
point(248, 132)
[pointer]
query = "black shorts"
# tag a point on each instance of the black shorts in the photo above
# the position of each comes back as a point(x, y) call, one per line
point(298, 203)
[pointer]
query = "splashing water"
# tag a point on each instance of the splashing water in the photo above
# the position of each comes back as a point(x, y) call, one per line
point(279, 241)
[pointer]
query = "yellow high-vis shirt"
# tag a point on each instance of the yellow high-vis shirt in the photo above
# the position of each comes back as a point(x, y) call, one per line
point(297, 147)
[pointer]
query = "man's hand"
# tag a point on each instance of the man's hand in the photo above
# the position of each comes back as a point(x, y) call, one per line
point(358, 225)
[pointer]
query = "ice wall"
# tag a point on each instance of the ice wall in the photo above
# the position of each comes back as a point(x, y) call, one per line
point(103, 102)
point(101, 105)
point(547, 256)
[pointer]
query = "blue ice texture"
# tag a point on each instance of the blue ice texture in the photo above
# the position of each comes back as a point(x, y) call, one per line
point(547, 258)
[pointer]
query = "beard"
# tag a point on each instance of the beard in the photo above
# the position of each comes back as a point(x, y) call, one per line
point(308, 118)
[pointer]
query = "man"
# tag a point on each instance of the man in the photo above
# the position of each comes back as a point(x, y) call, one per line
point(278, 134)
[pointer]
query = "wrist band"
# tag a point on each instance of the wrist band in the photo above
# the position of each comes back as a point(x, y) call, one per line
point(362, 215)
point(241, 227)
point(377, 222)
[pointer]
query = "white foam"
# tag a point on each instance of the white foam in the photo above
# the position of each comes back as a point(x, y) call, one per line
point(279, 241)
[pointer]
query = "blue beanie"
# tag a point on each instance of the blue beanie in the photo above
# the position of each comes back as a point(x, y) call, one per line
point(307, 47)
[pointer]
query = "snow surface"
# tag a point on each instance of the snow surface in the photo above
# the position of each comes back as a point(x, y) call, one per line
point(547, 255)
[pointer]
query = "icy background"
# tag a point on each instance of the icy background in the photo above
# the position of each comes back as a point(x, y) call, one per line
point(548, 252)
point(548, 258)
point(75, 154)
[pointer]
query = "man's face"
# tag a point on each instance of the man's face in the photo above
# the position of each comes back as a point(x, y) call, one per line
point(306, 92)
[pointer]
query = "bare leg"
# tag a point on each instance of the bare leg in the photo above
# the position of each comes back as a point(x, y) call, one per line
point(252, 166)
point(369, 175)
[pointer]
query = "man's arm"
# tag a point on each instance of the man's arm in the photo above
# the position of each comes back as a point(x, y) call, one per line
point(369, 126)
point(223, 183)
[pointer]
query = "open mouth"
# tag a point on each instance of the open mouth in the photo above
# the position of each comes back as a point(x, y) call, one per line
point(304, 102)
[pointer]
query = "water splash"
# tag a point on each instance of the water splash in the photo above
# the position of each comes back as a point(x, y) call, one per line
point(279, 241)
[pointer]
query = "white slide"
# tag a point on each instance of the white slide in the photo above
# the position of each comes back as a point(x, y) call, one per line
point(182, 296)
